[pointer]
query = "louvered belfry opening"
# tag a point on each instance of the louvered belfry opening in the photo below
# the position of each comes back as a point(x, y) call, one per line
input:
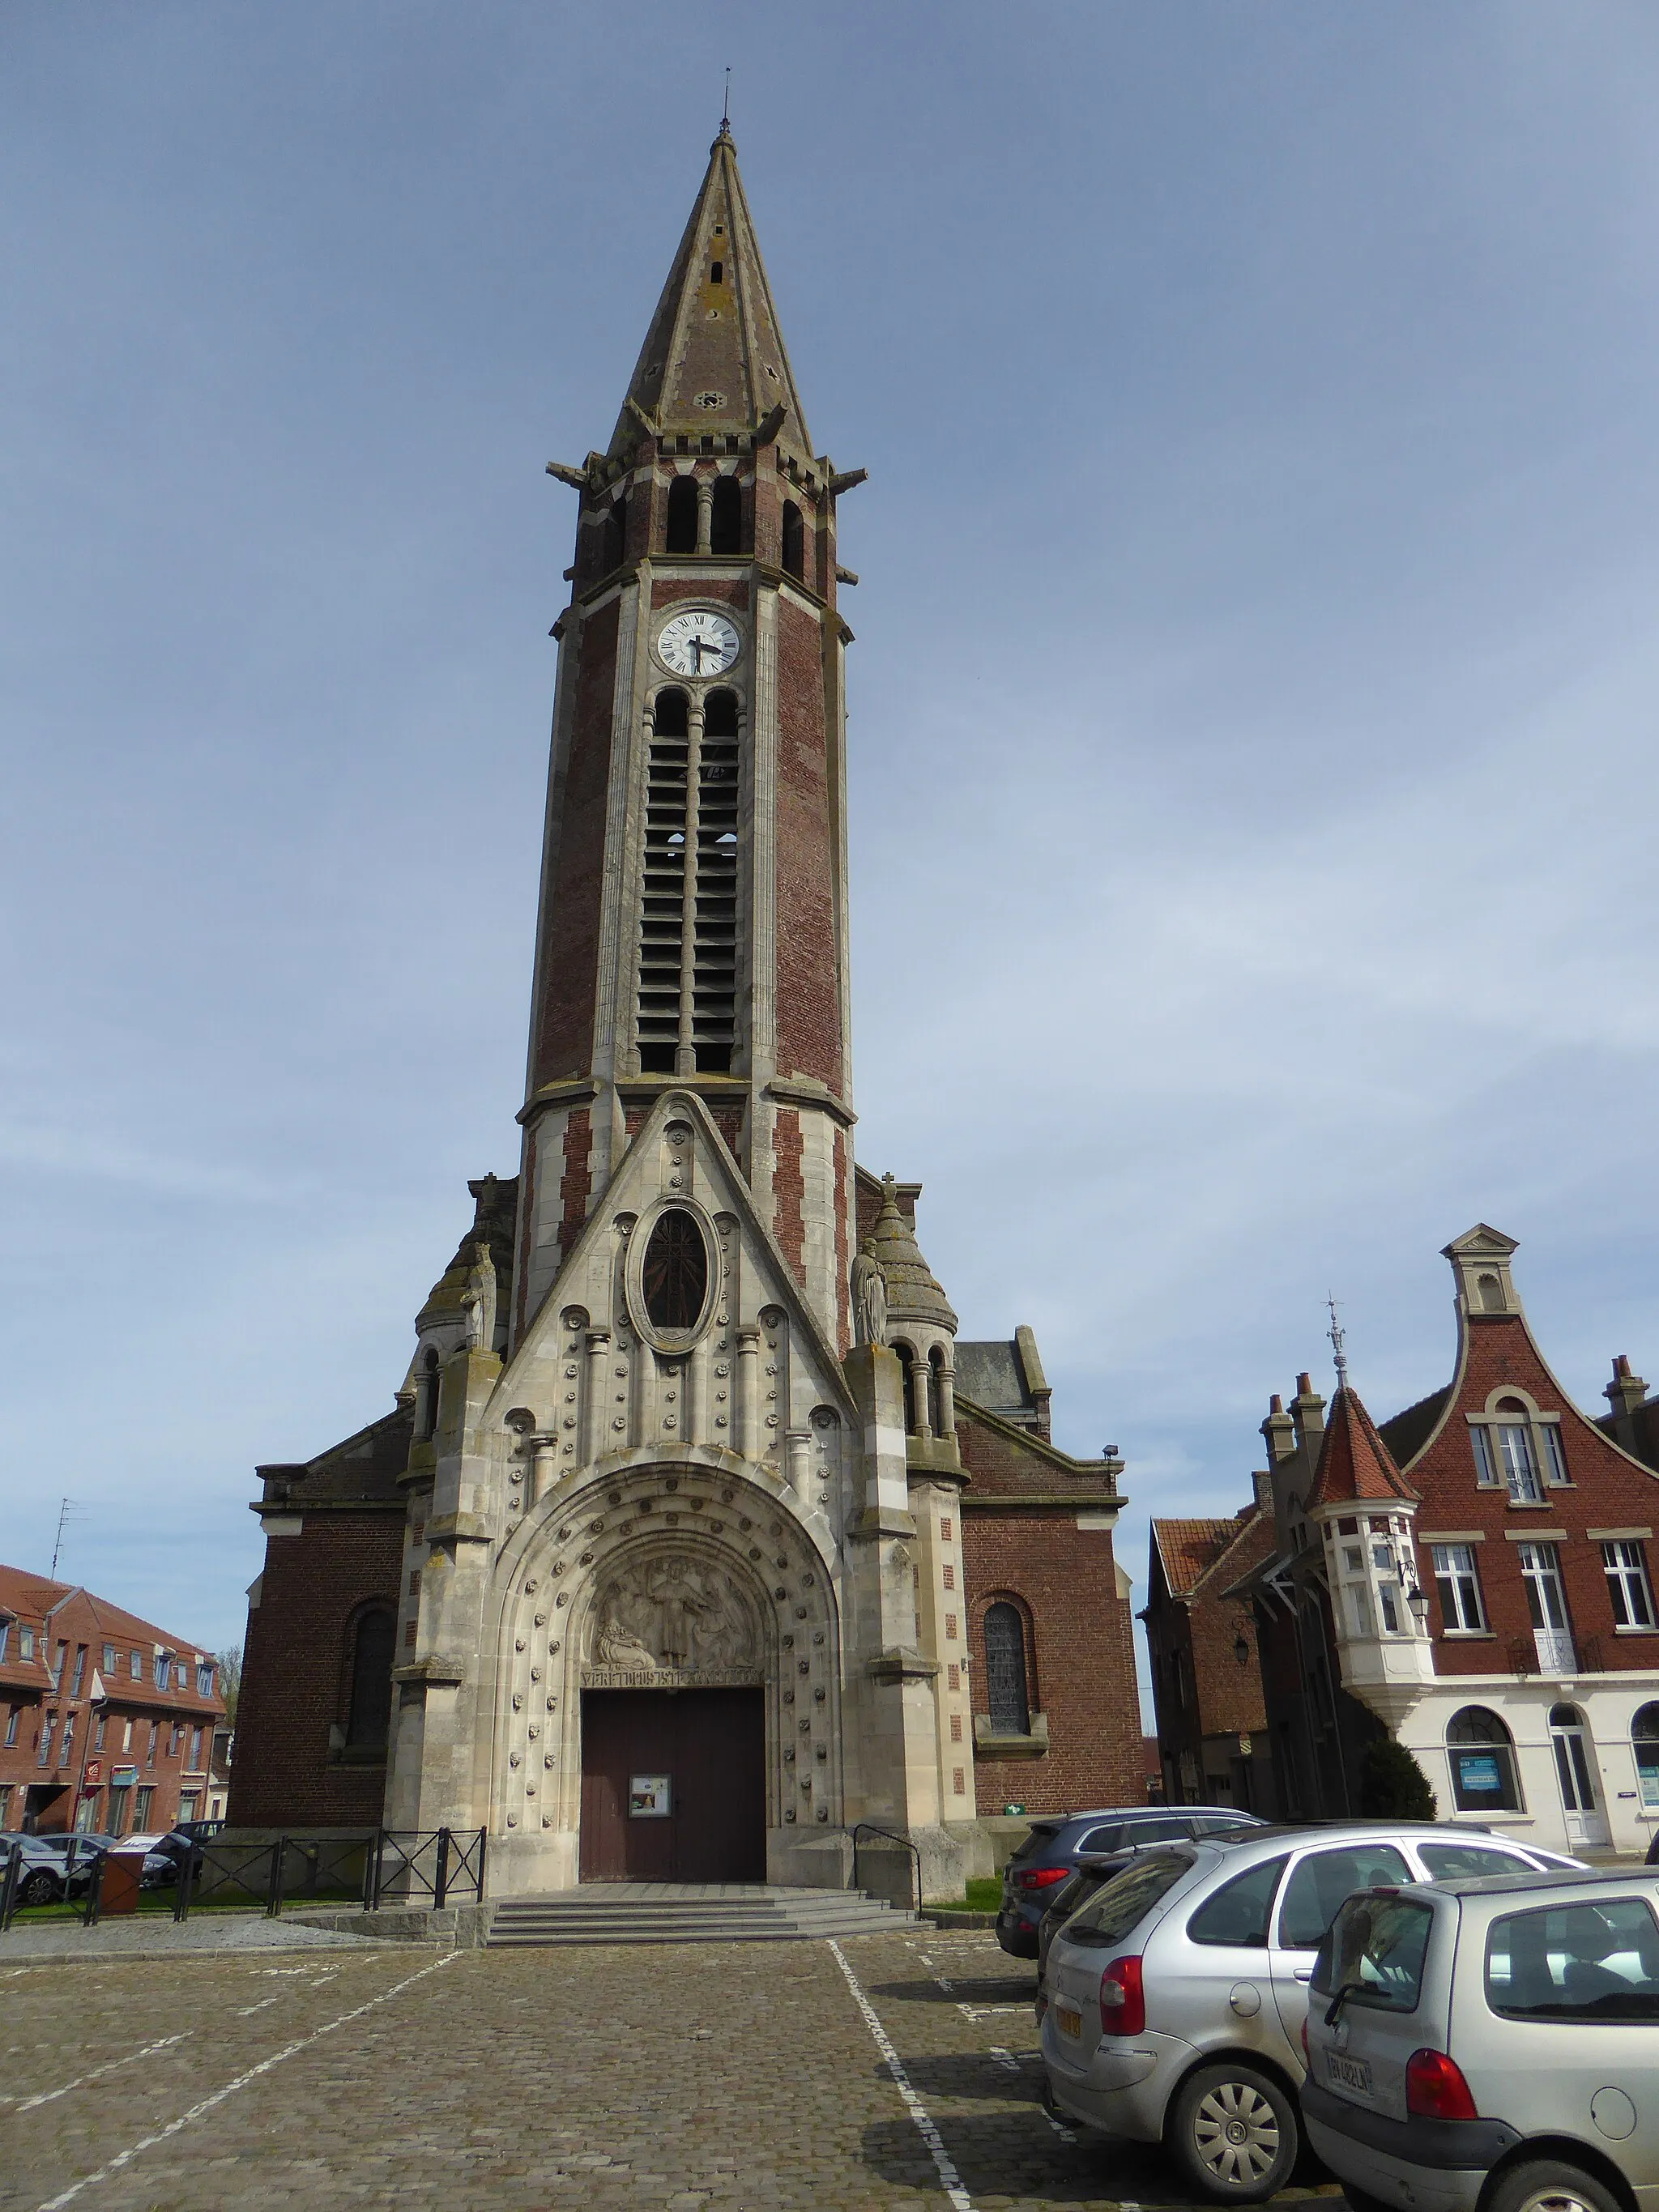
point(714, 975)
point(662, 920)
point(689, 907)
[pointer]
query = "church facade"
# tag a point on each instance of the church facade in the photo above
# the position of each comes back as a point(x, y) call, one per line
point(695, 1538)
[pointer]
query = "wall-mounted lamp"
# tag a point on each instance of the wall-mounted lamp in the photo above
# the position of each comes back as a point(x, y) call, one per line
point(1241, 1649)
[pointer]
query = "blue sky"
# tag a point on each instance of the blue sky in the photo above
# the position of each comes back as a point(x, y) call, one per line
point(1252, 709)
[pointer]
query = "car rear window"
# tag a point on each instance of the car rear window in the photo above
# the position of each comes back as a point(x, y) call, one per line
point(1127, 1897)
point(1584, 1962)
point(1316, 1889)
point(1043, 1834)
point(1454, 1862)
point(1375, 1950)
point(1238, 1912)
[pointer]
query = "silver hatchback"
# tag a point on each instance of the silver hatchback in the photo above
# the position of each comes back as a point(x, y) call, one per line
point(1173, 2002)
point(1491, 2045)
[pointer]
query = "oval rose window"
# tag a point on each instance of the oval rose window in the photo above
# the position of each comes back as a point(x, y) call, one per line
point(674, 1276)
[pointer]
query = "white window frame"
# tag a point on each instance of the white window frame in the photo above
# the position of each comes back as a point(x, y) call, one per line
point(1627, 1580)
point(1460, 1576)
point(5, 1637)
point(1540, 1570)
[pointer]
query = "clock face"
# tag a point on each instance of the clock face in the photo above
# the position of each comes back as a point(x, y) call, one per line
point(698, 643)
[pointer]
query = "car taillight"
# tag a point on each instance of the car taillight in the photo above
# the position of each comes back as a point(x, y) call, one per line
point(1436, 2089)
point(1042, 1877)
point(1123, 1999)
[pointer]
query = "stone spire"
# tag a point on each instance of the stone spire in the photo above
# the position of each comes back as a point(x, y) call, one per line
point(914, 1293)
point(714, 359)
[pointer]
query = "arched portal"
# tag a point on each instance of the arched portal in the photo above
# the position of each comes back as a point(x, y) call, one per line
point(669, 1679)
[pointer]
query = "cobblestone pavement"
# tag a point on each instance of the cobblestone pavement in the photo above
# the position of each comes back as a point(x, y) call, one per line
point(742, 2077)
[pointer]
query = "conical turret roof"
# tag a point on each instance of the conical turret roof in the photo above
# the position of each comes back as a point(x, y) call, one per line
point(714, 359)
point(914, 1293)
point(1354, 1462)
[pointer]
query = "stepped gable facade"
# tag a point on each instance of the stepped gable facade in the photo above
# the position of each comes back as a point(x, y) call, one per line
point(689, 1544)
point(1474, 1576)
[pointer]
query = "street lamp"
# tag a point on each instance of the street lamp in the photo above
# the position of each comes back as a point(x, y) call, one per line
point(1418, 1599)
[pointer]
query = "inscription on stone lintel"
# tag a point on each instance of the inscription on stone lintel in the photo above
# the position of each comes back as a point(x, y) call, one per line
point(671, 1678)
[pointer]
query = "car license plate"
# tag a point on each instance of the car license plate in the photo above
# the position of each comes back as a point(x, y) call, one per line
point(1068, 2021)
point(1353, 2074)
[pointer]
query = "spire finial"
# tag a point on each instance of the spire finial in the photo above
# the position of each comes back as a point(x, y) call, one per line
point(1338, 1338)
point(726, 110)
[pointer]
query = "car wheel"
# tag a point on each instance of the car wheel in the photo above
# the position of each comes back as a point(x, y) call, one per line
point(38, 1888)
point(1545, 2186)
point(1233, 2133)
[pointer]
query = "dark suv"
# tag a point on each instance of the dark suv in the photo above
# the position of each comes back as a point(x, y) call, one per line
point(1049, 1855)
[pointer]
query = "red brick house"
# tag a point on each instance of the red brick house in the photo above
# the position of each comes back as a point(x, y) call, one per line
point(1200, 1639)
point(106, 1722)
point(1473, 1575)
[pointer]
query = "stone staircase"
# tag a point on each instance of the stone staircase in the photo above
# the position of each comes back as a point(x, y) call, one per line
point(689, 1912)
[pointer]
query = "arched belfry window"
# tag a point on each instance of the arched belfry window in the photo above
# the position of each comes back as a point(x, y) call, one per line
point(688, 982)
point(368, 1717)
point(662, 908)
point(426, 1396)
point(682, 515)
point(1006, 1694)
point(794, 540)
point(725, 519)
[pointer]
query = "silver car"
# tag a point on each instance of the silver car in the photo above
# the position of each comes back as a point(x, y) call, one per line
point(1172, 2003)
point(1490, 2044)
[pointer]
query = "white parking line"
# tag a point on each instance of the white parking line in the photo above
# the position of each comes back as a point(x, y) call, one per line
point(199, 2111)
point(47, 2096)
point(950, 2179)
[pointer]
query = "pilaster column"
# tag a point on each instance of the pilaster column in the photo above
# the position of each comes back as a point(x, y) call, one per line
point(798, 1442)
point(543, 1472)
point(599, 1357)
point(748, 1439)
point(705, 513)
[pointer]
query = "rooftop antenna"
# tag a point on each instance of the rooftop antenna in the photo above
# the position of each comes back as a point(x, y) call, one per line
point(68, 1511)
point(1338, 1338)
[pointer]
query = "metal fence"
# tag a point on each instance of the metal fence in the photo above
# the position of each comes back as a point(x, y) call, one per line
point(385, 1867)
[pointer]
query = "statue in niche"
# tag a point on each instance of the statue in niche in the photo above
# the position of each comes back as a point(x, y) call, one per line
point(869, 1288)
point(671, 1613)
point(478, 1303)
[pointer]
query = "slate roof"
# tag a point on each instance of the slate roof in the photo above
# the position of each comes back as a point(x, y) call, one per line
point(713, 358)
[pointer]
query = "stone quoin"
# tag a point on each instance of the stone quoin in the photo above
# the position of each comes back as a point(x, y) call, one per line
point(672, 1561)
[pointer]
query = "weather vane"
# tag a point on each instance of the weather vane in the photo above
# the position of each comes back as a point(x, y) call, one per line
point(1337, 1335)
point(725, 112)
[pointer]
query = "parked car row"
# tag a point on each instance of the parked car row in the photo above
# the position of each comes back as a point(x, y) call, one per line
point(1173, 2000)
point(59, 1866)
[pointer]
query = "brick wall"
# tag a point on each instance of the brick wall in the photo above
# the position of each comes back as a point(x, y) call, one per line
point(295, 1685)
point(808, 975)
point(1606, 1490)
point(576, 1183)
point(789, 1190)
point(564, 1019)
point(1080, 1658)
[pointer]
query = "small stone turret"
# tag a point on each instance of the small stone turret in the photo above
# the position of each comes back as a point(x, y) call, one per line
point(921, 1326)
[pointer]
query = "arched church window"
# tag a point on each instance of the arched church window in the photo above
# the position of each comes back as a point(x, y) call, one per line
point(674, 1276)
point(726, 521)
point(794, 540)
point(1005, 1671)
point(426, 1396)
point(368, 1718)
point(682, 515)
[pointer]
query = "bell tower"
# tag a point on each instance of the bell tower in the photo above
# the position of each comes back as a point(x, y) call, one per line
point(692, 932)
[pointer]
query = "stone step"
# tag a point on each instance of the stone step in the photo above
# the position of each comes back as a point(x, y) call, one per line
point(697, 1915)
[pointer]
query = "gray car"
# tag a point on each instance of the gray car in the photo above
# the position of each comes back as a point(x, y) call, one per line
point(1489, 2046)
point(1172, 2003)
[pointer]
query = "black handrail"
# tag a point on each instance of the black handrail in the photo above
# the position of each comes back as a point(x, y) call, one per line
point(869, 1828)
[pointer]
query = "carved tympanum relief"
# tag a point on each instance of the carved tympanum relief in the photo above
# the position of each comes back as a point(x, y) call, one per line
point(673, 1613)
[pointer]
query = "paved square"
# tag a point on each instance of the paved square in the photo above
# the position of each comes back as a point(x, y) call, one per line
point(730, 2076)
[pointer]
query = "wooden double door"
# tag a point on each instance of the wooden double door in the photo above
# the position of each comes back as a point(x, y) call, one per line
point(673, 1785)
